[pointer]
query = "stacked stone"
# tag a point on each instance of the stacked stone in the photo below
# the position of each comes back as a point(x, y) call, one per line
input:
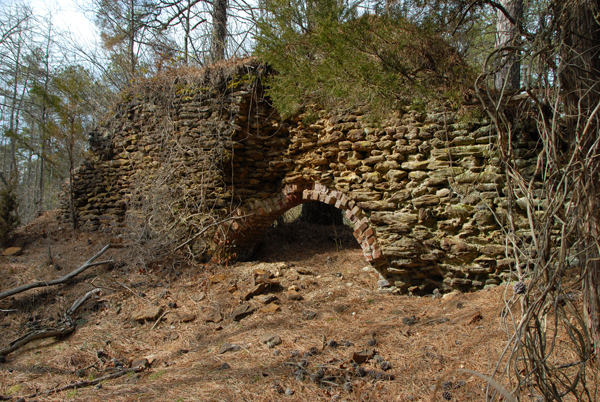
point(430, 184)
point(424, 189)
point(181, 136)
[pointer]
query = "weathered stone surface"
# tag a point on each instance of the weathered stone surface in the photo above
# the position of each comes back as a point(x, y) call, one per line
point(213, 316)
point(147, 313)
point(270, 308)
point(396, 175)
point(270, 339)
point(12, 251)
point(242, 311)
point(421, 165)
point(426, 201)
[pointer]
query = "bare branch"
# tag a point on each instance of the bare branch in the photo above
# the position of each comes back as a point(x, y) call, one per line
point(92, 293)
point(88, 383)
point(89, 263)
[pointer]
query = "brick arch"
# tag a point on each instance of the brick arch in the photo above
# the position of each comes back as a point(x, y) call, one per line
point(241, 236)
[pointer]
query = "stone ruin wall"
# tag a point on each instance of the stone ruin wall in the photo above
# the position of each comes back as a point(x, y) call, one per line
point(424, 190)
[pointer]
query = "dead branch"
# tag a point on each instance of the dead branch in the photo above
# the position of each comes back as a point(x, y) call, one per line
point(32, 336)
point(94, 292)
point(200, 233)
point(88, 264)
point(89, 383)
point(63, 330)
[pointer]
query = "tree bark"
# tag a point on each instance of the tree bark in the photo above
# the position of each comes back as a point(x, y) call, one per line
point(508, 75)
point(219, 35)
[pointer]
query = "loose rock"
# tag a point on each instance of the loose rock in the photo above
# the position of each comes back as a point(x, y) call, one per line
point(266, 299)
point(242, 311)
point(187, 317)
point(228, 347)
point(270, 339)
point(147, 313)
point(309, 315)
point(140, 363)
point(362, 356)
point(294, 295)
point(270, 308)
point(12, 251)
point(213, 316)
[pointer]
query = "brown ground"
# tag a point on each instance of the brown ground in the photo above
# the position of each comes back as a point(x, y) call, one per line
point(447, 334)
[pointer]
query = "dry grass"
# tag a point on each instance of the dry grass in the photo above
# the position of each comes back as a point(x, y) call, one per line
point(447, 335)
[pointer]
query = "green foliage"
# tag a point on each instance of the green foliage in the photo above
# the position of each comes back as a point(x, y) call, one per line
point(9, 219)
point(467, 25)
point(331, 55)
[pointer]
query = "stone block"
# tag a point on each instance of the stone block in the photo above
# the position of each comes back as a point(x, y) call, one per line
point(396, 175)
point(378, 205)
point(426, 201)
point(363, 146)
point(356, 135)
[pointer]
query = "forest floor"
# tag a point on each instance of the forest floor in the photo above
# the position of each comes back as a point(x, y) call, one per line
point(318, 308)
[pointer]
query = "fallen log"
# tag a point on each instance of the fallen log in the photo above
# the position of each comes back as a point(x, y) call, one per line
point(88, 264)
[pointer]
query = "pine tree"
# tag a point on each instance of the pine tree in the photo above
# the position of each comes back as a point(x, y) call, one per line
point(329, 53)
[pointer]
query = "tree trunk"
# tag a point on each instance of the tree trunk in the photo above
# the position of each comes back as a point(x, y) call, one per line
point(219, 15)
point(131, 31)
point(509, 69)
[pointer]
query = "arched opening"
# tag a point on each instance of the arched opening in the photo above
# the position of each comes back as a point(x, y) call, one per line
point(240, 238)
point(311, 235)
point(319, 213)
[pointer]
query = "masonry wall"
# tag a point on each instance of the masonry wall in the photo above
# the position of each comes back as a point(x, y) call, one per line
point(424, 189)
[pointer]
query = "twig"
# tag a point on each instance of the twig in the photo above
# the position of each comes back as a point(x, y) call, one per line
point(159, 318)
point(89, 263)
point(200, 233)
point(82, 384)
point(88, 367)
point(128, 288)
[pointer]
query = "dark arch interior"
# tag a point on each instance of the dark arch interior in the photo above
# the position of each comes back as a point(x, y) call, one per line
point(311, 228)
point(321, 214)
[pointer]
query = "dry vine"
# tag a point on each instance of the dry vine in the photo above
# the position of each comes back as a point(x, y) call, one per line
point(555, 247)
point(167, 217)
